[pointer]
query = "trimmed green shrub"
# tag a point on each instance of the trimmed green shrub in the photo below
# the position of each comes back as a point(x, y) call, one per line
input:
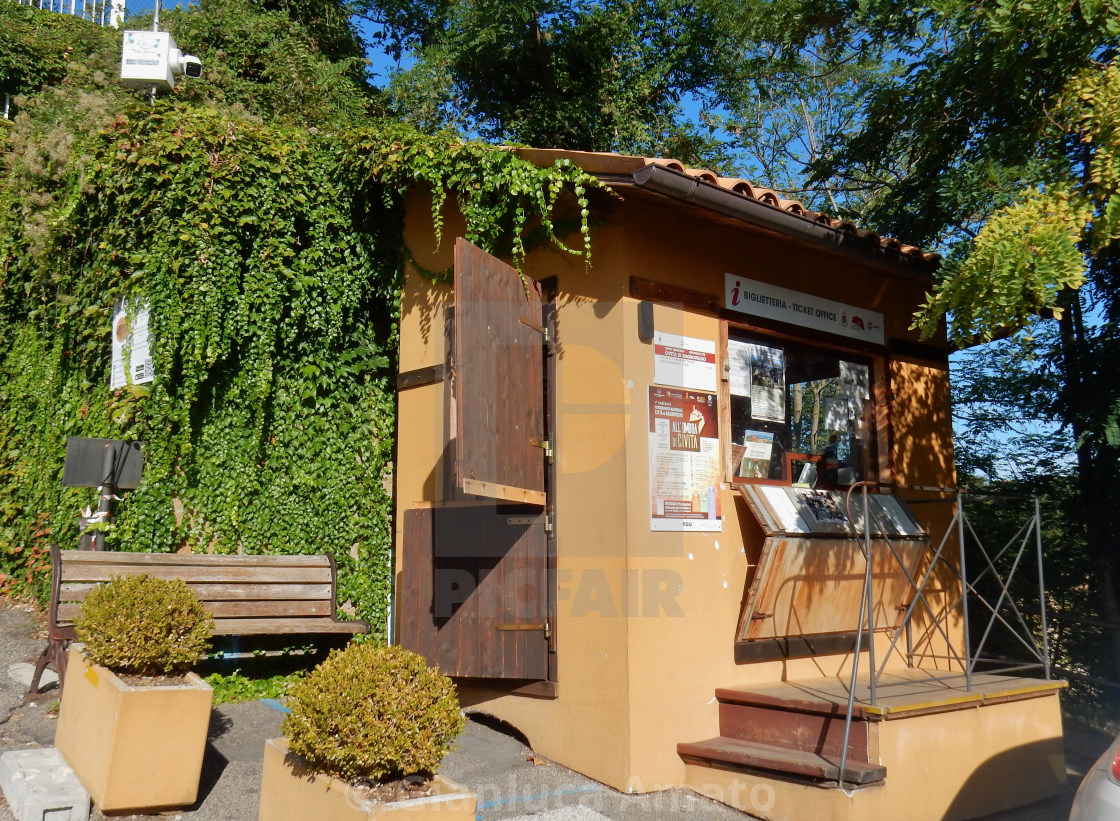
point(371, 712)
point(144, 626)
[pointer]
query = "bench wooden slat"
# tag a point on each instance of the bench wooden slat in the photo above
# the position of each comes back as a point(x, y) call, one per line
point(97, 557)
point(238, 609)
point(258, 575)
point(212, 592)
point(248, 595)
point(265, 627)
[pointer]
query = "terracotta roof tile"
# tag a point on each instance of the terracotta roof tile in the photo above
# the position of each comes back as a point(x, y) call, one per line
point(607, 163)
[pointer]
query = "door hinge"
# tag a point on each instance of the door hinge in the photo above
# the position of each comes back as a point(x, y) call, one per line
point(549, 524)
point(546, 444)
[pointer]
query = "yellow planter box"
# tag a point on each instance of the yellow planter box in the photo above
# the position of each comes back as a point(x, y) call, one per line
point(132, 747)
point(290, 791)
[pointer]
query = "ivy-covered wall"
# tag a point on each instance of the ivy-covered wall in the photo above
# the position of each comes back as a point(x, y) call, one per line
point(271, 257)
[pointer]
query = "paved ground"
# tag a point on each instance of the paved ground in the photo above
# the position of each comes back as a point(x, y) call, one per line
point(497, 767)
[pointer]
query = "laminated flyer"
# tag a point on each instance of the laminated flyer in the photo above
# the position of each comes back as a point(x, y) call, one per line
point(131, 353)
point(684, 466)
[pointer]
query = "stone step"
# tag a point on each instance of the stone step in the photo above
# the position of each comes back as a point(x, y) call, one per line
point(733, 753)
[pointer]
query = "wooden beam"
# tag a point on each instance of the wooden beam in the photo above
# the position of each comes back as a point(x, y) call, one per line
point(492, 490)
point(674, 295)
point(420, 376)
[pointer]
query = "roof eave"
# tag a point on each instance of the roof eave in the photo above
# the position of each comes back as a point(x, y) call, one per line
point(688, 189)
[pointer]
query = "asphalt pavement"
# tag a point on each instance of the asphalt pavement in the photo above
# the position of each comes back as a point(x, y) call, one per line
point(512, 784)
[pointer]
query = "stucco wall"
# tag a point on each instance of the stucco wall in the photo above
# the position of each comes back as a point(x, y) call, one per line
point(646, 621)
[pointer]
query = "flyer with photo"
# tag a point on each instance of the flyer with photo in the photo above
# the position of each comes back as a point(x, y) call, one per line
point(768, 384)
point(758, 449)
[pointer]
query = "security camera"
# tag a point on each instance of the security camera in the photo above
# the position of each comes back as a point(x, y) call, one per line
point(185, 64)
point(151, 58)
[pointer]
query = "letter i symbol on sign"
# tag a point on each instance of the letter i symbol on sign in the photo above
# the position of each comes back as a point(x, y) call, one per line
point(735, 293)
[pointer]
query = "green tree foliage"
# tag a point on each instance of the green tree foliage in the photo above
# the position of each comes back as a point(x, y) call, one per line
point(270, 255)
point(305, 69)
point(995, 136)
point(609, 75)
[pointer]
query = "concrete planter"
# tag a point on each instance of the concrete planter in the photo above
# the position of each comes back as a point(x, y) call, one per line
point(290, 791)
point(132, 747)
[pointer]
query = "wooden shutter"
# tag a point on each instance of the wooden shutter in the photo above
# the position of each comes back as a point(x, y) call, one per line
point(498, 380)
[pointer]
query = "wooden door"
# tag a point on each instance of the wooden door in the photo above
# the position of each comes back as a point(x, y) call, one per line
point(497, 379)
point(475, 594)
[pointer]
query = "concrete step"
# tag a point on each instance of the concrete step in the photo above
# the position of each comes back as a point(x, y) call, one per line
point(733, 753)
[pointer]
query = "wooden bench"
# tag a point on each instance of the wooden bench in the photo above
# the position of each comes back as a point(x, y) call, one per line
point(246, 595)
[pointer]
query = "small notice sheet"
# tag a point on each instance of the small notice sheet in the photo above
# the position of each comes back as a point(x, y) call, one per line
point(684, 362)
point(684, 469)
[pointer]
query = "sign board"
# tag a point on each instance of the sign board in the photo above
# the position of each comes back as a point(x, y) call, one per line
point(684, 464)
point(98, 462)
point(132, 355)
point(748, 296)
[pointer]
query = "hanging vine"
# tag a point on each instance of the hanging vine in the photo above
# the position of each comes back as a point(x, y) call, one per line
point(270, 258)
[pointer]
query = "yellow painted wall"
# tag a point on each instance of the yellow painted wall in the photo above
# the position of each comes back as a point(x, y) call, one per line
point(646, 621)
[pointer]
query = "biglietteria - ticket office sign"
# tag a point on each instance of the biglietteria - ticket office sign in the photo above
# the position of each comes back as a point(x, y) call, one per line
point(772, 302)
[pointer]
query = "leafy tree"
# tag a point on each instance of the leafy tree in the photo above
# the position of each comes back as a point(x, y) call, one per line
point(600, 76)
point(996, 135)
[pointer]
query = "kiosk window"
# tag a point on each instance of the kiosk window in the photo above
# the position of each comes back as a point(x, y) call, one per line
point(798, 414)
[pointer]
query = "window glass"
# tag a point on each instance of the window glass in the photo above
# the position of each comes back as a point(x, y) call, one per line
point(798, 414)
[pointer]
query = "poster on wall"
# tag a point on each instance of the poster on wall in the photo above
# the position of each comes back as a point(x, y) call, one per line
point(758, 448)
point(768, 384)
point(131, 355)
point(684, 470)
point(684, 362)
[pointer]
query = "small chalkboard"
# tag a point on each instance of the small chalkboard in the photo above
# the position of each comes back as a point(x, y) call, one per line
point(102, 462)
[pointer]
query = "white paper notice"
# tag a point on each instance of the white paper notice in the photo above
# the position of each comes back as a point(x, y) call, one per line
point(684, 362)
point(739, 358)
point(836, 411)
point(130, 342)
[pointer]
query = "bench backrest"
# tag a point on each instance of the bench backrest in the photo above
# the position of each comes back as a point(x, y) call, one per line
point(245, 594)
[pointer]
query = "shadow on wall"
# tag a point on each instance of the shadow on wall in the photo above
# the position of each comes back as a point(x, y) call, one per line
point(1015, 778)
point(921, 424)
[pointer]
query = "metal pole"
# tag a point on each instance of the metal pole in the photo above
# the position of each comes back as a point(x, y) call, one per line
point(964, 594)
point(864, 607)
point(105, 494)
point(155, 27)
point(868, 592)
point(1041, 592)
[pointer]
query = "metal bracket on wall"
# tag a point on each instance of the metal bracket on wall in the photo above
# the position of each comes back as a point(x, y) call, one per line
point(527, 627)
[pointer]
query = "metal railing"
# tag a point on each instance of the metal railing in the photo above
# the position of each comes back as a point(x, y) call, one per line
point(102, 12)
point(1004, 616)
